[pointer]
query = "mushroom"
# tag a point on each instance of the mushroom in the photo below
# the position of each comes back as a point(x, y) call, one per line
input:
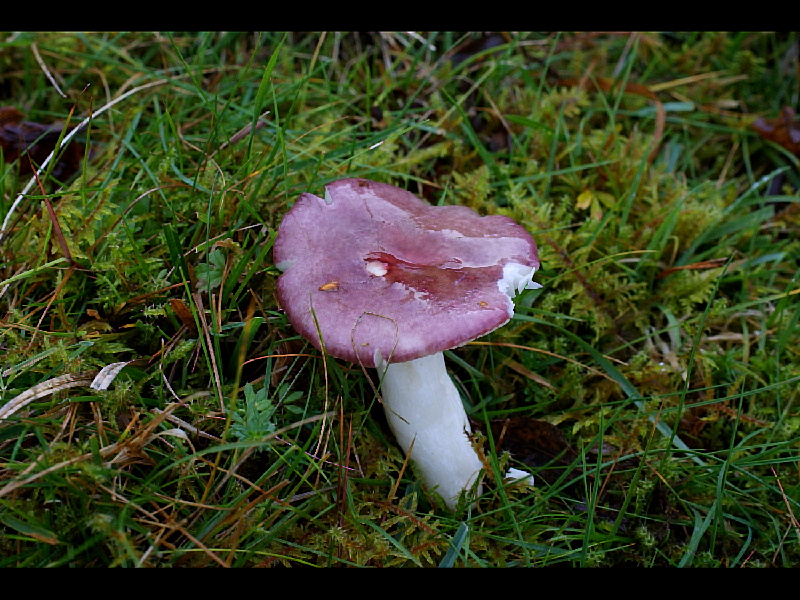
point(374, 275)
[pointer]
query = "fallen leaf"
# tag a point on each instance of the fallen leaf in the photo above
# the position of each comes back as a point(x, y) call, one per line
point(179, 307)
point(594, 200)
point(32, 143)
point(534, 443)
point(784, 130)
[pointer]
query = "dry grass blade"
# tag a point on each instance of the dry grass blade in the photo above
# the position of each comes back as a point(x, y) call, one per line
point(46, 71)
point(705, 264)
point(56, 384)
point(187, 426)
point(119, 452)
point(525, 372)
point(13, 485)
point(107, 374)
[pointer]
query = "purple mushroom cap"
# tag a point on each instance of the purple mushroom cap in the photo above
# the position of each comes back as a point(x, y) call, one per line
point(371, 267)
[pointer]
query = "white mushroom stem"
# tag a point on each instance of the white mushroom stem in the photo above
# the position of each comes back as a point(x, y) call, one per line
point(424, 408)
point(425, 412)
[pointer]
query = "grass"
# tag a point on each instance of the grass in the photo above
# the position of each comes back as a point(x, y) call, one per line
point(650, 385)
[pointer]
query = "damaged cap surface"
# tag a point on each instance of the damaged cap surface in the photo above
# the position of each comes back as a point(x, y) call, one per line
point(372, 267)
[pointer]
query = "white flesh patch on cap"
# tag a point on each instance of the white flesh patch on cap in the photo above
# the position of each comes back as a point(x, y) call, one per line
point(377, 268)
point(517, 277)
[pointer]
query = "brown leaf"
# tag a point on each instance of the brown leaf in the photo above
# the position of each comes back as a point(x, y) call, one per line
point(784, 130)
point(32, 143)
point(473, 46)
point(179, 307)
point(535, 443)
